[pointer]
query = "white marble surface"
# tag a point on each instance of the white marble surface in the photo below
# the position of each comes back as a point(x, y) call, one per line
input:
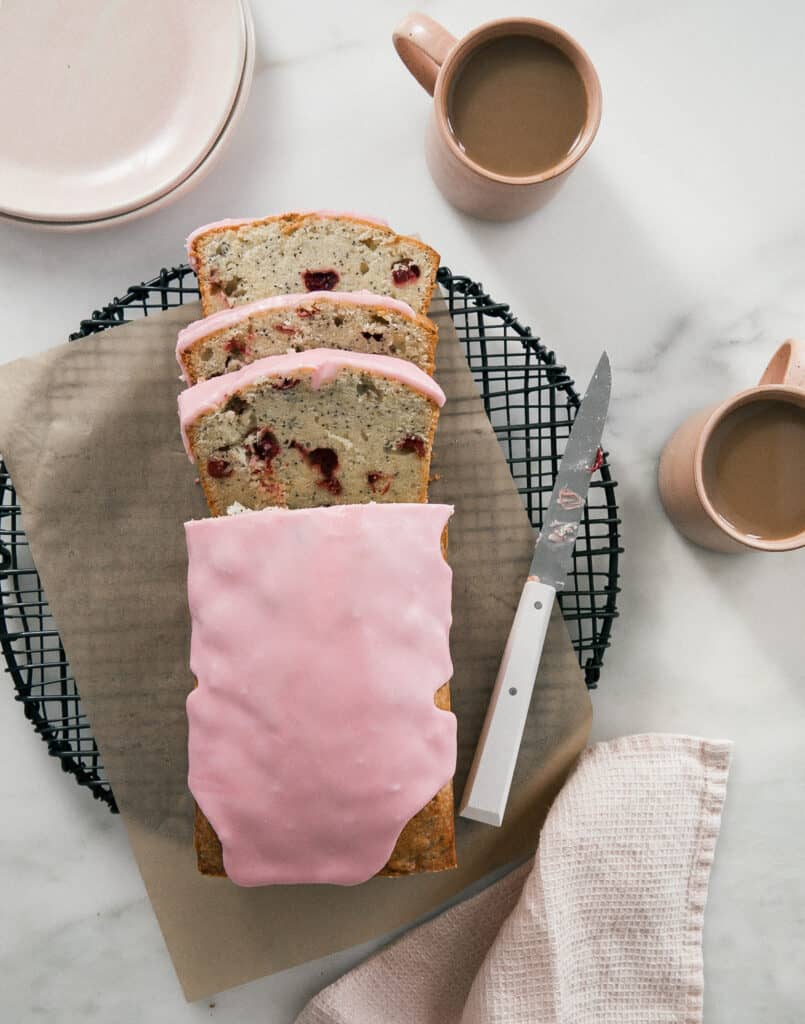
point(679, 245)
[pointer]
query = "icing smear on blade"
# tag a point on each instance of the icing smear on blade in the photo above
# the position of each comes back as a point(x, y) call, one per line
point(598, 462)
point(559, 532)
point(569, 499)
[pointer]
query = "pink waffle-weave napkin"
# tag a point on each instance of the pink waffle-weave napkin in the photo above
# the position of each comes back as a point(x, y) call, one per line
point(602, 926)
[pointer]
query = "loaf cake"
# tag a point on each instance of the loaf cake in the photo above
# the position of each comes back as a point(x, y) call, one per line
point(358, 321)
point(314, 766)
point(320, 427)
point(238, 261)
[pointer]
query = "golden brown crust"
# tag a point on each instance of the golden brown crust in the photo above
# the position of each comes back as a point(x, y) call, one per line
point(211, 300)
point(209, 855)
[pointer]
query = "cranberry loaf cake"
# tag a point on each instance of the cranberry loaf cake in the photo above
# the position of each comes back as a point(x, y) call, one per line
point(321, 427)
point(357, 321)
point(238, 261)
point(316, 736)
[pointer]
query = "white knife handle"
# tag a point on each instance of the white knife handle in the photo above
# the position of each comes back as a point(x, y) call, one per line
point(487, 789)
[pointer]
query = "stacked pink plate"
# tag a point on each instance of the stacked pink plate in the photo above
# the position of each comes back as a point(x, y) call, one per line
point(112, 110)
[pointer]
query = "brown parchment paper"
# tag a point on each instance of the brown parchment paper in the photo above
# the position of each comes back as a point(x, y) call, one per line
point(89, 432)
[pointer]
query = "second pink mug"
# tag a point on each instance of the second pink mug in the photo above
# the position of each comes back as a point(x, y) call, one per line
point(435, 57)
point(689, 465)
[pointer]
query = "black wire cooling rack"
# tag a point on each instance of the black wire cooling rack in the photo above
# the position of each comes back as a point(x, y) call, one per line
point(531, 402)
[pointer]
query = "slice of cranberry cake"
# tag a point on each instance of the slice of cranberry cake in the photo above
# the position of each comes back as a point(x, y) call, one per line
point(239, 261)
point(357, 321)
point(321, 427)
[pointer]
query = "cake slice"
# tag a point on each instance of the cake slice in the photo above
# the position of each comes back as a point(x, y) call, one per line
point(321, 427)
point(238, 261)
point(358, 321)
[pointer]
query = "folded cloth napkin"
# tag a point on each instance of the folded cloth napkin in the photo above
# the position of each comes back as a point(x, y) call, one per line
point(602, 926)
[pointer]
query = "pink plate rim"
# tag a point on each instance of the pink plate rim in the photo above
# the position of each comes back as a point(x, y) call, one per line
point(197, 174)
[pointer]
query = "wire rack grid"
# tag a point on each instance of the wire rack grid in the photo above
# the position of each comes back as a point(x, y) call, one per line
point(531, 402)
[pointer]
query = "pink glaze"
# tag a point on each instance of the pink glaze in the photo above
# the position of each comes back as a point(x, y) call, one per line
point(319, 638)
point(324, 364)
point(230, 222)
point(232, 317)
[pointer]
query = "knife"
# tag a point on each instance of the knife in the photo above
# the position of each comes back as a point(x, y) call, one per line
point(487, 790)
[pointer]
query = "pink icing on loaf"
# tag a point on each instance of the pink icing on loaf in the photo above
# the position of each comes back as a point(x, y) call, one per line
point(236, 222)
point(231, 317)
point(324, 364)
point(320, 637)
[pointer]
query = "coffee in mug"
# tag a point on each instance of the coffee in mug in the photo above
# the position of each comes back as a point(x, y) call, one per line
point(732, 477)
point(517, 105)
point(754, 468)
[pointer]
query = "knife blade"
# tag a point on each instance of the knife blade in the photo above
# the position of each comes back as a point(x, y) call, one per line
point(487, 789)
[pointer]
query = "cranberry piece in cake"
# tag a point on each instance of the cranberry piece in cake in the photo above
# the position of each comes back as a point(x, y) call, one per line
point(219, 468)
point(236, 346)
point(404, 272)
point(266, 446)
point(379, 482)
point(236, 405)
point(412, 443)
point(325, 460)
point(321, 280)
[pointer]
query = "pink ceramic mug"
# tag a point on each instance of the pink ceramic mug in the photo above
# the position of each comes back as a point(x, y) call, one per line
point(434, 56)
point(682, 479)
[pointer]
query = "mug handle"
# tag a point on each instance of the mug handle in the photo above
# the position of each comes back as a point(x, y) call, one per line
point(422, 45)
point(787, 365)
